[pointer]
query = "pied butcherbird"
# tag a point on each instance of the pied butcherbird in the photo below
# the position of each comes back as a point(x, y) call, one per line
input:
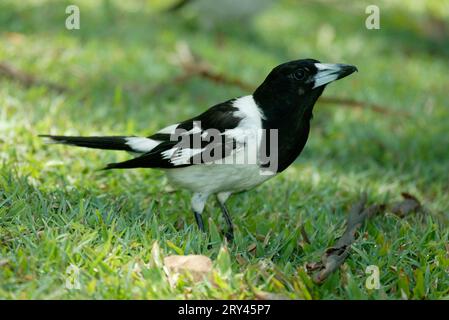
point(275, 118)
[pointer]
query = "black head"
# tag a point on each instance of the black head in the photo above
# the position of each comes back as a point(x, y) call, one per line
point(297, 84)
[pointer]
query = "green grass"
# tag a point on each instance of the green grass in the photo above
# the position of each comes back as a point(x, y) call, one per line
point(57, 210)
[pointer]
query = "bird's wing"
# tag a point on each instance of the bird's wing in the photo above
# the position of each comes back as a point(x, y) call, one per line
point(208, 137)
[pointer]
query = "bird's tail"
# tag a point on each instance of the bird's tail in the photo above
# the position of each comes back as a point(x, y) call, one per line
point(132, 144)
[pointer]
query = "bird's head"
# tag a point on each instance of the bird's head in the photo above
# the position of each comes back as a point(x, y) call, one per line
point(298, 84)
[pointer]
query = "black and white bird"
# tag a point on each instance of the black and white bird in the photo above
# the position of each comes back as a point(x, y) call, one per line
point(224, 150)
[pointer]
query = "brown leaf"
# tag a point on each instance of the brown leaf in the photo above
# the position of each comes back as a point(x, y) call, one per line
point(15, 38)
point(260, 237)
point(197, 265)
point(4, 262)
point(313, 266)
point(409, 205)
point(241, 260)
point(263, 295)
point(252, 248)
point(28, 277)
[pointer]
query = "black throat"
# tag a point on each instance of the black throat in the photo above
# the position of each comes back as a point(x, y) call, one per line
point(290, 115)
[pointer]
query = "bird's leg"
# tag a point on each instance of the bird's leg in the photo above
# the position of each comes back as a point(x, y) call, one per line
point(229, 234)
point(222, 197)
point(199, 221)
point(198, 203)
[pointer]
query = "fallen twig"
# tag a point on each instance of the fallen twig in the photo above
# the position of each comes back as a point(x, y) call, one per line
point(351, 103)
point(194, 66)
point(334, 256)
point(27, 79)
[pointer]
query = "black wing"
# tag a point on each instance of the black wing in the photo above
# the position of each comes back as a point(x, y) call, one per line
point(198, 140)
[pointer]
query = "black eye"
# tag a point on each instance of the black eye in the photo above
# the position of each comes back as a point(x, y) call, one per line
point(299, 75)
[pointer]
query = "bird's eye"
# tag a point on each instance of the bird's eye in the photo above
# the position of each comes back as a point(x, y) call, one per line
point(299, 75)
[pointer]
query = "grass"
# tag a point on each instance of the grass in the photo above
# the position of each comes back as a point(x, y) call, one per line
point(56, 210)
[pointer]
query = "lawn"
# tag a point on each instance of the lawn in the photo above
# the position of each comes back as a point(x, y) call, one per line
point(59, 213)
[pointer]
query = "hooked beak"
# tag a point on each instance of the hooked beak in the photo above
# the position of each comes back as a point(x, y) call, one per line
point(328, 72)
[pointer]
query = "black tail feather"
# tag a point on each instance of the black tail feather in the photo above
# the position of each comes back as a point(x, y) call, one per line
point(145, 161)
point(108, 143)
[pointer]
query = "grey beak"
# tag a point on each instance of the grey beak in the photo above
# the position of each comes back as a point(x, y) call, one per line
point(328, 72)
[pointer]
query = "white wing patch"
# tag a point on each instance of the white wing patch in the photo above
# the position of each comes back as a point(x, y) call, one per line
point(250, 123)
point(246, 133)
point(249, 112)
point(180, 156)
point(140, 144)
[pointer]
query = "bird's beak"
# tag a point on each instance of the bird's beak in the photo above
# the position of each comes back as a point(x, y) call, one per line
point(328, 72)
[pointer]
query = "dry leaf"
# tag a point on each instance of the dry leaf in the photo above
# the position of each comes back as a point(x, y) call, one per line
point(260, 237)
point(409, 205)
point(4, 262)
point(196, 265)
point(262, 295)
point(15, 38)
point(241, 260)
point(28, 277)
point(252, 248)
point(313, 266)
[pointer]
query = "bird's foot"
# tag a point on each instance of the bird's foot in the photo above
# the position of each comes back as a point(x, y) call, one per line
point(229, 235)
point(199, 221)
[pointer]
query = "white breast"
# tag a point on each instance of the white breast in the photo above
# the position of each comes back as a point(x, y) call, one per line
point(213, 178)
